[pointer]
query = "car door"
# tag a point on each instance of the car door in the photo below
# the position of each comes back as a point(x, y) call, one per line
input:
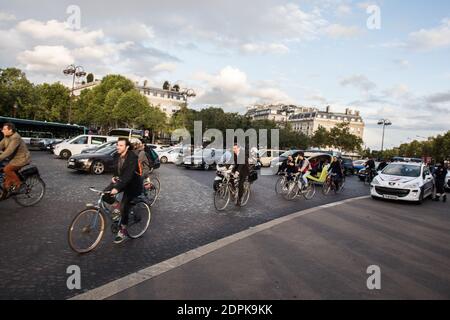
point(79, 144)
point(428, 181)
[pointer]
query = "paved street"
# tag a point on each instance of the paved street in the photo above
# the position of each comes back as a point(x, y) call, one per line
point(35, 253)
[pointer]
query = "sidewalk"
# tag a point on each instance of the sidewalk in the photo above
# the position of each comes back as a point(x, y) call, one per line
point(319, 253)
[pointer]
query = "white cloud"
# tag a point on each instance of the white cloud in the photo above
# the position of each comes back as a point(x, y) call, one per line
point(165, 67)
point(4, 16)
point(109, 51)
point(340, 31)
point(398, 91)
point(403, 63)
point(263, 48)
point(46, 58)
point(343, 10)
point(56, 30)
point(428, 39)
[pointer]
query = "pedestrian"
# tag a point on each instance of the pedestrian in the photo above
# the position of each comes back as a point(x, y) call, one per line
point(439, 175)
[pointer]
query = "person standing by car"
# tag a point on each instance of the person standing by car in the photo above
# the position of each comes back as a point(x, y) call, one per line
point(370, 167)
point(127, 180)
point(15, 150)
point(241, 167)
point(439, 175)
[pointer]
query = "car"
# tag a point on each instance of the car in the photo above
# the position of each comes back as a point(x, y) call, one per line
point(348, 166)
point(74, 146)
point(96, 162)
point(169, 155)
point(100, 147)
point(157, 147)
point(53, 142)
point(267, 155)
point(203, 159)
point(358, 165)
point(406, 181)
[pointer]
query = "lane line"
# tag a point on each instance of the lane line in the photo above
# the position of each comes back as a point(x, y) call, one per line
point(109, 289)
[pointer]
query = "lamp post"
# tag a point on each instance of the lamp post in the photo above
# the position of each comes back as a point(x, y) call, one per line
point(75, 71)
point(384, 123)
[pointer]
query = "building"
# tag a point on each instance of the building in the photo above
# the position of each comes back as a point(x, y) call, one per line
point(168, 101)
point(309, 122)
point(279, 113)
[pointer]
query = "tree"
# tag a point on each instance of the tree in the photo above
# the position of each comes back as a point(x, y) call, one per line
point(341, 138)
point(152, 119)
point(15, 90)
point(166, 85)
point(90, 78)
point(129, 107)
point(321, 138)
point(52, 103)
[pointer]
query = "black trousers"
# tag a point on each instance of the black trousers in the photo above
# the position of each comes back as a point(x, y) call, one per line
point(125, 205)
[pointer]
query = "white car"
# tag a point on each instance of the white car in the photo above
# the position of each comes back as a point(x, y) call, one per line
point(267, 155)
point(74, 146)
point(447, 180)
point(169, 155)
point(405, 181)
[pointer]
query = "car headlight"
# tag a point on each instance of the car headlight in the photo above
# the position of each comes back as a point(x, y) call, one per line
point(413, 185)
point(83, 160)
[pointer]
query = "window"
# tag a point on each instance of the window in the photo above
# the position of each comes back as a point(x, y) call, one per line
point(81, 140)
point(98, 140)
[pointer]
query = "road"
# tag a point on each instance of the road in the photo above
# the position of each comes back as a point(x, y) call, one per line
point(35, 253)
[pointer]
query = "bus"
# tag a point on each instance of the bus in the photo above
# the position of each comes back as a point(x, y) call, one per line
point(33, 131)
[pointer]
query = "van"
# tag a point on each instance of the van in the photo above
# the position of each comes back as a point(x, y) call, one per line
point(126, 133)
point(74, 146)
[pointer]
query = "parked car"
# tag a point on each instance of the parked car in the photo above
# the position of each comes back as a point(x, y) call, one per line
point(74, 146)
point(169, 155)
point(51, 146)
point(407, 181)
point(96, 162)
point(158, 147)
point(358, 165)
point(203, 159)
point(267, 155)
point(100, 147)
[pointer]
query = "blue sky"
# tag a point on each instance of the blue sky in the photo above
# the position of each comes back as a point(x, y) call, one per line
point(236, 53)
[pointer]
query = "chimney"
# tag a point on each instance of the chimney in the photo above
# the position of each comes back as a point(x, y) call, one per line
point(357, 113)
point(346, 111)
point(328, 109)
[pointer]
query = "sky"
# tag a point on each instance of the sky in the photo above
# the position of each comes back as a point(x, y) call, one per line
point(387, 59)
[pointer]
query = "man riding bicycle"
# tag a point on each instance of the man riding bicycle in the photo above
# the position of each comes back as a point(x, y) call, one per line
point(370, 167)
point(337, 171)
point(127, 180)
point(15, 150)
point(241, 167)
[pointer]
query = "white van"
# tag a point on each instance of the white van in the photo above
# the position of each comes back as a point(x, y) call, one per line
point(74, 146)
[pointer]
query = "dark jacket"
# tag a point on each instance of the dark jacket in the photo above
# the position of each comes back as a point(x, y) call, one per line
point(130, 182)
point(242, 168)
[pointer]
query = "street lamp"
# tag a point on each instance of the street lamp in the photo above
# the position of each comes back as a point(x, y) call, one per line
point(187, 93)
point(384, 123)
point(75, 71)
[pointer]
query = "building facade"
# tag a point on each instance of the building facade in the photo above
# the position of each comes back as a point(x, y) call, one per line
point(309, 122)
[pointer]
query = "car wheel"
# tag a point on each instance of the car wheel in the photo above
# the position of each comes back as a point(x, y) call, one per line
point(98, 168)
point(65, 154)
point(163, 159)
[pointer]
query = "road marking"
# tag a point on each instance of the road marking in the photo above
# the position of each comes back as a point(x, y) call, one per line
point(131, 280)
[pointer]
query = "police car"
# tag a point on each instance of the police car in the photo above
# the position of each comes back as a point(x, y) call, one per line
point(407, 181)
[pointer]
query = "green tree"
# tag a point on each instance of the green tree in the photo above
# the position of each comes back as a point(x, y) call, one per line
point(90, 78)
point(15, 90)
point(153, 119)
point(52, 103)
point(321, 138)
point(129, 107)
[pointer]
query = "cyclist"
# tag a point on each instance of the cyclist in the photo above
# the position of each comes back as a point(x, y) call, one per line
point(127, 180)
point(15, 150)
point(304, 167)
point(240, 169)
point(337, 171)
point(370, 167)
point(144, 165)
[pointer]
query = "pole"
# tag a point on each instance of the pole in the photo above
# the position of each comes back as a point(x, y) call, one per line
point(382, 140)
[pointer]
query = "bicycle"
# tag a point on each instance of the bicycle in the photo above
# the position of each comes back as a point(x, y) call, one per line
point(296, 188)
point(371, 173)
point(330, 184)
point(32, 190)
point(92, 230)
point(152, 188)
point(228, 189)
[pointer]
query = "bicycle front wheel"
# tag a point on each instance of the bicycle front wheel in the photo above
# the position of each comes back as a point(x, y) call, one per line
point(291, 190)
point(86, 230)
point(221, 197)
point(326, 187)
point(246, 195)
point(138, 220)
point(281, 185)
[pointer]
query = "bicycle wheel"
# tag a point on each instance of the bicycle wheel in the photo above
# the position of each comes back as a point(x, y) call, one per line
point(326, 187)
point(310, 191)
point(86, 230)
point(31, 192)
point(281, 185)
point(246, 195)
point(153, 190)
point(292, 190)
point(221, 197)
point(138, 219)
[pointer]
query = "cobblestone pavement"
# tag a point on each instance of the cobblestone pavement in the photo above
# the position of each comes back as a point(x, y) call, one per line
point(34, 249)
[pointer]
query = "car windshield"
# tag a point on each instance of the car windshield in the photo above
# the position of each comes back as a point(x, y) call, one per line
point(403, 170)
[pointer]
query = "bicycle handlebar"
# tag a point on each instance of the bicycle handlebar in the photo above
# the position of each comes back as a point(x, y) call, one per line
point(99, 191)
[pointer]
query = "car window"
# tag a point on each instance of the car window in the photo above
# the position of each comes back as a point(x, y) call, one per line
point(426, 171)
point(404, 170)
point(98, 140)
point(80, 140)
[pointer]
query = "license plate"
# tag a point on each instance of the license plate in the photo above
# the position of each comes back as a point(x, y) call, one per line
point(386, 196)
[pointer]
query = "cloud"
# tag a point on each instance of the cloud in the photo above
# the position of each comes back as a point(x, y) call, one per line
point(340, 31)
point(46, 58)
point(398, 91)
point(359, 81)
point(429, 39)
point(403, 63)
point(4, 16)
point(165, 67)
point(264, 48)
point(440, 97)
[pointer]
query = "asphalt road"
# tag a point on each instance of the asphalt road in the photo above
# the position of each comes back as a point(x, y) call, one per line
point(34, 249)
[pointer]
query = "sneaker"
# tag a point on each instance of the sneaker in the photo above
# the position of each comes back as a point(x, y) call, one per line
point(121, 236)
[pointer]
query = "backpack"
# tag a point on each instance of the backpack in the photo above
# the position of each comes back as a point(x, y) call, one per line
point(151, 154)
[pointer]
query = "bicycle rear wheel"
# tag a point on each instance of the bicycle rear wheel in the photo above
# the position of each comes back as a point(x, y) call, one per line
point(86, 230)
point(152, 192)
point(221, 197)
point(326, 187)
point(32, 191)
point(138, 219)
point(246, 195)
point(281, 185)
